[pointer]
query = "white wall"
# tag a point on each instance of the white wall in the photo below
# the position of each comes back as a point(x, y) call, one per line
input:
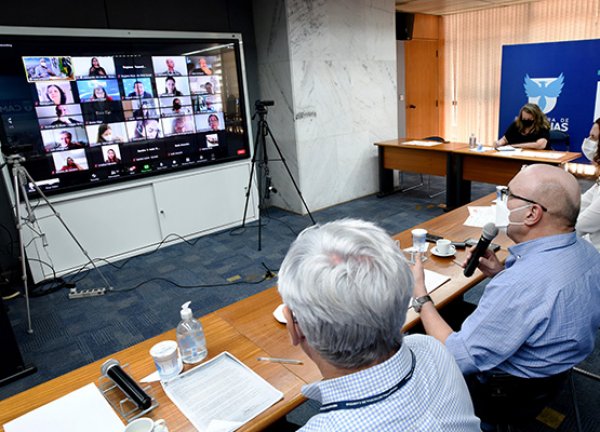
point(330, 66)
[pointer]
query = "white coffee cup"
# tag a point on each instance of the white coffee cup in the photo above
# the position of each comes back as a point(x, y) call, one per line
point(443, 246)
point(418, 238)
point(145, 424)
point(167, 359)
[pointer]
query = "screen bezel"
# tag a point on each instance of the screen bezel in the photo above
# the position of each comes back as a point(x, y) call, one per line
point(90, 188)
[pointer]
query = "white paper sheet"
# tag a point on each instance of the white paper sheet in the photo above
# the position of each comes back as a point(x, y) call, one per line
point(433, 280)
point(422, 143)
point(84, 409)
point(479, 216)
point(221, 394)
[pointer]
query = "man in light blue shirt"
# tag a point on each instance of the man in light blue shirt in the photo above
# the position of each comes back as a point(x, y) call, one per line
point(539, 315)
point(346, 286)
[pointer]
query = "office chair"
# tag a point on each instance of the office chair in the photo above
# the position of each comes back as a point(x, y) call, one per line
point(506, 401)
point(429, 194)
point(559, 140)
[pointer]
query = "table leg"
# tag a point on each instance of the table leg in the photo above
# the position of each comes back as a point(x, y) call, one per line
point(386, 176)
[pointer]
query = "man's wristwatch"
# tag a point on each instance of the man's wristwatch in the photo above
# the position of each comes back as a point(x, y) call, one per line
point(417, 303)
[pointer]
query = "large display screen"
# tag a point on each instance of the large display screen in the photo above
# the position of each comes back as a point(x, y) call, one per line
point(88, 111)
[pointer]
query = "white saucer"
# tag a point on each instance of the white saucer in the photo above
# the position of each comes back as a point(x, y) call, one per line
point(278, 314)
point(434, 250)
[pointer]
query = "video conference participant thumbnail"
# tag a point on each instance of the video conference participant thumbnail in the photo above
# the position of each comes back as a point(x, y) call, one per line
point(44, 68)
point(55, 116)
point(133, 66)
point(169, 66)
point(175, 106)
point(207, 103)
point(173, 86)
point(211, 122)
point(148, 129)
point(178, 125)
point(94, 67)
point(204, 85)
point(106, 133)
point(70, 161)
point(102, 112)
point(54, 93)
point(181, 152)
point(201, 65)
point(98, 90)
point(64, 139)
point(139, 109)
point(138, 88)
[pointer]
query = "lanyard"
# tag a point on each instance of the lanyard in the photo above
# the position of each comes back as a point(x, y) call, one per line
point(359, 403)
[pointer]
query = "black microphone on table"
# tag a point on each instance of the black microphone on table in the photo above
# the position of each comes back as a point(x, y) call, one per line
point(490, 231)
point(112, 370)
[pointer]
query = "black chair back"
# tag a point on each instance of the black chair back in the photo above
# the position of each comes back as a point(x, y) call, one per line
point(435, 138)
point(559, 140)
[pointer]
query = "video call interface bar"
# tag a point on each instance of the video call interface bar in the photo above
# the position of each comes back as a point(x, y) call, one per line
point(113, 102)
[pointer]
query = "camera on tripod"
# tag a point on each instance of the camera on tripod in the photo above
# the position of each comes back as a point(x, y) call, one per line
point(261, 106)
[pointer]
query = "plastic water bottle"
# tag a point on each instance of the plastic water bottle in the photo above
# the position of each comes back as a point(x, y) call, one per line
point(190, 337)
point(472, 141)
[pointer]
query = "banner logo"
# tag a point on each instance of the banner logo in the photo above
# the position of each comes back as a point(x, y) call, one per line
point(543, 91)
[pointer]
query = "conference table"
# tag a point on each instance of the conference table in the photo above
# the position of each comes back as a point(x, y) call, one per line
point(247, 329)
point(459, 164)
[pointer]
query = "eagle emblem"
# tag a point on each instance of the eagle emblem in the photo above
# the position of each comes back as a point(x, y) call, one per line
point(543, 91)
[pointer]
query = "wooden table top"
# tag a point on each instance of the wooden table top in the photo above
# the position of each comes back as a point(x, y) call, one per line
point(463, 149)
point(400, 143)
point(247, 329)
point(220, 337)
point(528, 156)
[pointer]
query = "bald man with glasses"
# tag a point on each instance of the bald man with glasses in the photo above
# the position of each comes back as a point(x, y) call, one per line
point(539, 314)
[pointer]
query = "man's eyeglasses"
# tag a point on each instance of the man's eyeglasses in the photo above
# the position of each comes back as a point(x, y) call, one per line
point(507, 193)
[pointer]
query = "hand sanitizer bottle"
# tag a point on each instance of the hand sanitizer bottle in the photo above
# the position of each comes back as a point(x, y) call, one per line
point(190, 337)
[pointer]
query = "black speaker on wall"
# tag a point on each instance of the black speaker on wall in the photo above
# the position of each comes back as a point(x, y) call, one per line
point(404, 25)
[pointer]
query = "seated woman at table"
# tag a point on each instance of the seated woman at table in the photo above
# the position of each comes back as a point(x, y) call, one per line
point(588, 221)
point(531, 129)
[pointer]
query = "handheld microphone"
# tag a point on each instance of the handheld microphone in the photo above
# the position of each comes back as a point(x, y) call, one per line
point(112, 370)
point(489, 232)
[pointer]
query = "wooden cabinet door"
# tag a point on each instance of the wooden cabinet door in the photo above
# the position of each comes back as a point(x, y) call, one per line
point(422, 110)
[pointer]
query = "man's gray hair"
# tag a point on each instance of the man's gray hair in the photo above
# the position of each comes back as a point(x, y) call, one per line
point(348, 284)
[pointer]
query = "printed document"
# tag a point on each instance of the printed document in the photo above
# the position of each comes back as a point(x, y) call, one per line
point(221, 394)
point(84, 409)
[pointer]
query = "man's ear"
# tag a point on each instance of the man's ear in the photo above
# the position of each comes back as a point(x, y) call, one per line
point(534, 215)
point(293, 329)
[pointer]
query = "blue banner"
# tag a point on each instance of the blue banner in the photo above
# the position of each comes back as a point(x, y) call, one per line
point(562, 78)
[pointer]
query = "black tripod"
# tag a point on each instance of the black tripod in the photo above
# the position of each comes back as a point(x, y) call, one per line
point(262, 131)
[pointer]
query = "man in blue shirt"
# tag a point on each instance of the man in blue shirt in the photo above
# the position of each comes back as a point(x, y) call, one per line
point(346, 286)
point(539, 315)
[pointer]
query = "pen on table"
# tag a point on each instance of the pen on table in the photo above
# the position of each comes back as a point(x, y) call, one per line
point(280, 360)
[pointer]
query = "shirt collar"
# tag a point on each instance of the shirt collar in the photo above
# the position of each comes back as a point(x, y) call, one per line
point(364, 383)
point(539, 245)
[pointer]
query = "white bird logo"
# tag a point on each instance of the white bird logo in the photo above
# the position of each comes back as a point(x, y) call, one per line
point(543, 91)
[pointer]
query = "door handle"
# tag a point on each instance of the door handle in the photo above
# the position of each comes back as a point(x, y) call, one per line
point(411, 106)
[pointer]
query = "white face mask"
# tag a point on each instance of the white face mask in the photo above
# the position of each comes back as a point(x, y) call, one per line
point(503, 215)
point(589, 147)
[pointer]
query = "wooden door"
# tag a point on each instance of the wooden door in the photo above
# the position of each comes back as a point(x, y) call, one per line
point(422, 104)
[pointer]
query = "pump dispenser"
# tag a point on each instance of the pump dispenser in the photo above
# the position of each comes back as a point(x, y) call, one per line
point(190, 337)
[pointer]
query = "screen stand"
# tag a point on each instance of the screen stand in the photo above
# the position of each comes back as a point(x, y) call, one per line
point(260, 143)
point(20, 178)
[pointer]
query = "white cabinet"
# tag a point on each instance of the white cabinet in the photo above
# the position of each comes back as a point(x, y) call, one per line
point(132, 218)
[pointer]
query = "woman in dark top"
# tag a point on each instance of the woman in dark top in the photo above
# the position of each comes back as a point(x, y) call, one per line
point(531, 129)
point(96, 69)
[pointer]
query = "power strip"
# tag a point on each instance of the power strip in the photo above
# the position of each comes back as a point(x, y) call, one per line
point(94, 292)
